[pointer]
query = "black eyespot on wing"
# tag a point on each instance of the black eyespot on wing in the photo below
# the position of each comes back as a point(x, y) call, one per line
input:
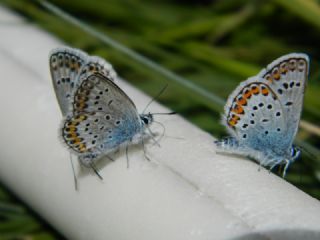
point(288, 103)
point(291, 84)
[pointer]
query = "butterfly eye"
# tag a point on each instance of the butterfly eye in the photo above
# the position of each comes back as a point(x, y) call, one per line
point(145, 120)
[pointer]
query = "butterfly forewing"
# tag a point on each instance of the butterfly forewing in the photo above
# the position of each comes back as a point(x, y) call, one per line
point(65, 65)
point(69, 67)
point(287, 78)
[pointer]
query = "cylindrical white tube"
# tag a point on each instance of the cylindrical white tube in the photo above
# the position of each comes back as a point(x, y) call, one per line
point(187, 191)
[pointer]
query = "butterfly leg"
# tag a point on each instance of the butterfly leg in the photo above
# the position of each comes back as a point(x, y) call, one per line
point(127, 148)
point(285, 168)
point(259, 168)
point(74, 174)
point(144, 150)
point(110, 158)
point(95, 170)
point(153, 137)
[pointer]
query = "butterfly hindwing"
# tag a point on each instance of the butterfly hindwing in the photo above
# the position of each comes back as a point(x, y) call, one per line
point(252, 117)
point(104, 117)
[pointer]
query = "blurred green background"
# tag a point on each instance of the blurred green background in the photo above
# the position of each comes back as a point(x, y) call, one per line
point(214, 44)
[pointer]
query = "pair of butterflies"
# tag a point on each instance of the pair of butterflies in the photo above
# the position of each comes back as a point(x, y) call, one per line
point(261, 115)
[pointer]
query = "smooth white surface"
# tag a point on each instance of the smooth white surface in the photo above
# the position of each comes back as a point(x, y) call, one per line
point(185, 192)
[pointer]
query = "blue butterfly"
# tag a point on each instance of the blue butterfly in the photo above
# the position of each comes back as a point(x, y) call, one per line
point(262, 114)
point(99, 116)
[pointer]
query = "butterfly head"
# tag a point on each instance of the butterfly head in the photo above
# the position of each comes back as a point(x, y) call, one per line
point(146, 119)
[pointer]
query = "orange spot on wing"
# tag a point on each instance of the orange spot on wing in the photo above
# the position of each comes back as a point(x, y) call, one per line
point(234, 120)
point(255, 90)
point(82, 147)
point(232, 123)
point(276, 75)
point(238, 109)
point(247, 94)
point(265, 91)
point(269, 78)
point(242, 101)
point(283, 68)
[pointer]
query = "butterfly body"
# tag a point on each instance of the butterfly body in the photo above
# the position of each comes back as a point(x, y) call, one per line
point(263, 112)
point(99, 117)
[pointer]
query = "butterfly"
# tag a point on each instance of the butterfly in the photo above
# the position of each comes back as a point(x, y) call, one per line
point(262, 114)
point(99, 117)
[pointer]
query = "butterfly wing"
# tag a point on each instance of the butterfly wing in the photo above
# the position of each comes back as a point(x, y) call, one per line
point(255, 117)
point(65, 65)
point(258, 116)
point(68, 66)
point(287, 77)
point(103, 117)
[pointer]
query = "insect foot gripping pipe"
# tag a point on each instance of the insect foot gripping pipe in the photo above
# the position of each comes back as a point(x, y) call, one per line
point(186, 191)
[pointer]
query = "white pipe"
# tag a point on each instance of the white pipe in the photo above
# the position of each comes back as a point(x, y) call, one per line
point(187, 191)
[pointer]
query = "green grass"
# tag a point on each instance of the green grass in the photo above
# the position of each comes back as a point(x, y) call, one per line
point(214, 46)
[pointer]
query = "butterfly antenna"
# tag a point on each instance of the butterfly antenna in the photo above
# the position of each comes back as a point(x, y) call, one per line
point(169, 113)
point(153, 99)
point(144, 150)
point(74, 174)
point(96, 171)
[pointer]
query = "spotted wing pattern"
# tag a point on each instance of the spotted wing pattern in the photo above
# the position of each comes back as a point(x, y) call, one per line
point(264, 111)
point(287, 77)
point(103, 117)
point(68, 67)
